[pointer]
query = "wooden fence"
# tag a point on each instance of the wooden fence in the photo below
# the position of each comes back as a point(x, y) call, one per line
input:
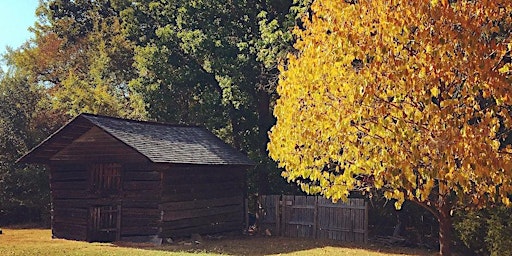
point(314, 217)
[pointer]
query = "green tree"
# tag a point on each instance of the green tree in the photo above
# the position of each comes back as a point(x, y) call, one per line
point(212, 63)
point(80, 52)
point(24, 191)
point(411, 97)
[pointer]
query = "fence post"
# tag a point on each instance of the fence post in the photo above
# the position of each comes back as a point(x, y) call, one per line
point(246, 214)
point(315, 219)
point(365, 222)
point(278, 215)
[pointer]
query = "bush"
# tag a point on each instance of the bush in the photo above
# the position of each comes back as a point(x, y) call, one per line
point(499, 231)
point(487, 231)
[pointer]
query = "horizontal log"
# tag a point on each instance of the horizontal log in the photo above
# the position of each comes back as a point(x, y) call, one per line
point(140, 213)
point(70, 219)
point(143, 166)
point(204, 177)
point(63, 167)
point(140, 221)
point(205, 229)
point(194, 213)
point(83, 203)
point(71, 211)
point(141, 195)
point(101, 157)
point(191, 187)
point(141, 185)
point(202, 221)
point(208, 194)
point(149, 204)
point(81, 175)
point(141, 176)
point(194, 204)
point(70, 203)
point(74, 185)
point(70, 194)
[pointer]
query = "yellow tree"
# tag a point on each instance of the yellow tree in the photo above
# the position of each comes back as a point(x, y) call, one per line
point(411, 97)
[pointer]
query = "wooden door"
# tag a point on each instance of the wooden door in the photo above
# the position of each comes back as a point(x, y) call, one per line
point(104, 223)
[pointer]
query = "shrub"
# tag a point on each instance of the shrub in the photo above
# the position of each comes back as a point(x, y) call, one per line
point(487, 231)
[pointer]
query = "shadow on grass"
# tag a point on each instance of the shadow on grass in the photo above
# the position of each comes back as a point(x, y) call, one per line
point(258, 245)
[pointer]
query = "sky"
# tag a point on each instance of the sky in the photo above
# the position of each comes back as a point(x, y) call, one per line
point(16, 16)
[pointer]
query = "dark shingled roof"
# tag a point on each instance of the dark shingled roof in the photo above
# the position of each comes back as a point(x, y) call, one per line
point(160, 143)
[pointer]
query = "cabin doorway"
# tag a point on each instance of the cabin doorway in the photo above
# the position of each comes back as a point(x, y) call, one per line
point(104, 223)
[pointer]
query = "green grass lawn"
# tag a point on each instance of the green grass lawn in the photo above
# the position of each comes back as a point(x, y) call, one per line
point(39, 242)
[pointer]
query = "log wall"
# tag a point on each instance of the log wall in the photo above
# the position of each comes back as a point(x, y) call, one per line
point(140, 215)
point(72, 197)
point(202, 199)
point(69, 192)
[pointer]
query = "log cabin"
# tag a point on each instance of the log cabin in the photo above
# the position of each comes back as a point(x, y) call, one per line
point(115, 179)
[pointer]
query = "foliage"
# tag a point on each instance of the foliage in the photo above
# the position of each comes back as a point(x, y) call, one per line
point(212, 63)
point(80, 53)
point(208, 63)
point(486, 231)
point(24, 190)
point(407, 96)
point(471, 228)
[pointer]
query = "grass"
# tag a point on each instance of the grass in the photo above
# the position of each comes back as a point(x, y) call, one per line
point(39, 242)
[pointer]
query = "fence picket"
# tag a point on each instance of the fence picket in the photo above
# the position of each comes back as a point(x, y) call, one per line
point(315, 217)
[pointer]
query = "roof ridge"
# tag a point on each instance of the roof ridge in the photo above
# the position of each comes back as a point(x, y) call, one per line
point(145, 122)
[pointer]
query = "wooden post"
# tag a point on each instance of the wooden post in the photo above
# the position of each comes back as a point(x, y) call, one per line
point(284, 226)
point(365, 222)
point(315, 219)
point(278, 216)
point(118, 224)
point(246, 212)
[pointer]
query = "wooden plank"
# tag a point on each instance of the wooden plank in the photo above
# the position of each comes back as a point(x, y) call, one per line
point(70, 203)
point(148, 204)
point(135, 195)
point(141, 185)
point(207, 194)
point(139, 213)
point(201, 221)
point(276, 214)
point(366, 223)
point(141, 176)
point(301, 223)
point(202, 175)
point(342, 206)
point(193, 213)
point(186, 205)
point(69, 194)
point(315, 218)
point(80, 175)
point(191, 187)
point(299, 207)
point(118, 223)
point(69, 185)
point(142, 221)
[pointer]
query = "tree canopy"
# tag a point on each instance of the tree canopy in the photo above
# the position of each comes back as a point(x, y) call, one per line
point(207, 63)
point(411, 97)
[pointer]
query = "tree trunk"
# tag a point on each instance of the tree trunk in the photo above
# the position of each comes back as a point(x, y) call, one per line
point(445, 230)
point(264, 124)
